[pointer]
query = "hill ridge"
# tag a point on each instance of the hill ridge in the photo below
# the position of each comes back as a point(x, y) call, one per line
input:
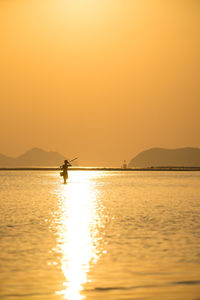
point(33, 157)
point(178, 157)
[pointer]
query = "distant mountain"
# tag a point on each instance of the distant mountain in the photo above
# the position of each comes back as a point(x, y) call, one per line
point(5, 160)
point(181, 157)
point(33, 157)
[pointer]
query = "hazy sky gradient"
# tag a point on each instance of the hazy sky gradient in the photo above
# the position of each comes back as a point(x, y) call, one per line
point(102, 80)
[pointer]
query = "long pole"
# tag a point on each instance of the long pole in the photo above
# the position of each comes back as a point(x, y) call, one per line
point(73, 159)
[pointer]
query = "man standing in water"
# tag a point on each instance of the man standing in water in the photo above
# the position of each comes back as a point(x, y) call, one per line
point(64, 169)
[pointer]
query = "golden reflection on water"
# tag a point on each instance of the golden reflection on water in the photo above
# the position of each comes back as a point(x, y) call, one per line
point(78, 232)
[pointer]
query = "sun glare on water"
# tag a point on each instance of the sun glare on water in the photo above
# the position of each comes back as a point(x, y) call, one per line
point(77, 234)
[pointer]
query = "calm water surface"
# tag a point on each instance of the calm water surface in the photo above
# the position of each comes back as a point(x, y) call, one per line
point(104, 235)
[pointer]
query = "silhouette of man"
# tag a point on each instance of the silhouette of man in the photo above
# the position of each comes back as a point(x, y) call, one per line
point(64, 169)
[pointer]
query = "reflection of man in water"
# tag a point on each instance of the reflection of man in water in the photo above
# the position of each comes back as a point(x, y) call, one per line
point(64, 169)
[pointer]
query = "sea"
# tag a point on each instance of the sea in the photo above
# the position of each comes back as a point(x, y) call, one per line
point(103, 235)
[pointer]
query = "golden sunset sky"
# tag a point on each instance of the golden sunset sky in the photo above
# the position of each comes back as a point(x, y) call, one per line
point(102, 80)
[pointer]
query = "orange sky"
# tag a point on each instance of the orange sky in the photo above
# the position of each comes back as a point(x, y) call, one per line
point(102, 80)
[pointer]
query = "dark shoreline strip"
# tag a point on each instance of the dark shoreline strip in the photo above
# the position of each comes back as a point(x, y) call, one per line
point(104, 169)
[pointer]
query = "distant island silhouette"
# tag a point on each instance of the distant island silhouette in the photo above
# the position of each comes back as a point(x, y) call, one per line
point(157, 158)
point(33, 157)
point(160, 157)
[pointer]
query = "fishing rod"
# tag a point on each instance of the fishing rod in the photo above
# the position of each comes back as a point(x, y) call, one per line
point(73, 159)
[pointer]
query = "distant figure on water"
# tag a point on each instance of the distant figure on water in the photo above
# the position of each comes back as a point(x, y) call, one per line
point(124, 165)
point(64, 169)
